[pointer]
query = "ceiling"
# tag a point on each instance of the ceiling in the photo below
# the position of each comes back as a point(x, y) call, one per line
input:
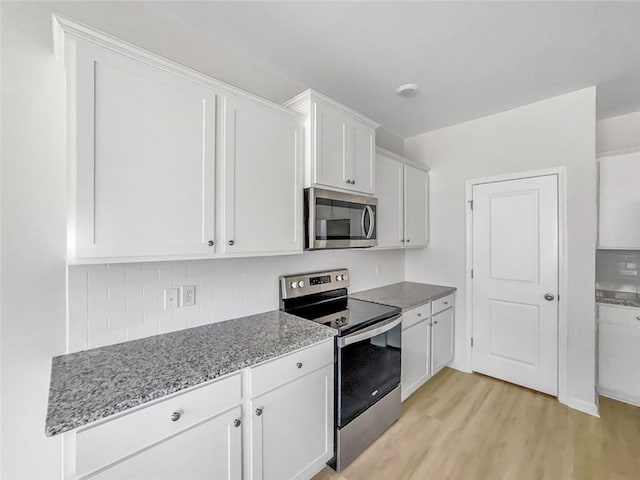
point(469, 59)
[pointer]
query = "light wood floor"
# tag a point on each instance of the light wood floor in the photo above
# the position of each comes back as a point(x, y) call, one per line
point(470, 427)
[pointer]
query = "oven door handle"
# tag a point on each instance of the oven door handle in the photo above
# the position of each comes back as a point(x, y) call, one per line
point(370, 332)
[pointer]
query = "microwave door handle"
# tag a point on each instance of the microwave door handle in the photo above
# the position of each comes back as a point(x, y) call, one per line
point(372, 222)
point(370, 332)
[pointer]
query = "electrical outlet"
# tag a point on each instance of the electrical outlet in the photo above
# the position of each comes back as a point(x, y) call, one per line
point(171, 298)
point(187, 295)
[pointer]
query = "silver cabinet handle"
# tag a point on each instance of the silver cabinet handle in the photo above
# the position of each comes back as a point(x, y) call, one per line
point(210, 243)
point(231, 242)
point(299, 364)
point(237, 422)
point(258, 412)
point(175, 416)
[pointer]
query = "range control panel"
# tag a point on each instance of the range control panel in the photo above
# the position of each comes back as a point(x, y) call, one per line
point(292, 286)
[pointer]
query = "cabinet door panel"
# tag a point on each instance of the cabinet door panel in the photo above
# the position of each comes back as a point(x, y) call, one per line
point(293, 436)
point(620, 202)
point(331, 167)
point(619, 361)
point(362, 158)
point(262, 180)
point(389, 191)
point(145, 159)
point(210, 450)
point(416, 209)
point(441, 340)
point(415, 356)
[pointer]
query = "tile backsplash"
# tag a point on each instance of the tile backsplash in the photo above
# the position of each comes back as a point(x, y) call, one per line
point(617, 271)
point(118, 302)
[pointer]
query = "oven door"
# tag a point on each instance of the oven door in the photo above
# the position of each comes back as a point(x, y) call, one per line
point(368, 367)
point(339, 220)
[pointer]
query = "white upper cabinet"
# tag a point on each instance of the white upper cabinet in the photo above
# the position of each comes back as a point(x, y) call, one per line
point(340, 144)
point(261, 180)
point(415, 207)
point(390, 193)
point(330, 167)
point(144, 158)
point(402, 191)
point(619, 226)
point(168, 163)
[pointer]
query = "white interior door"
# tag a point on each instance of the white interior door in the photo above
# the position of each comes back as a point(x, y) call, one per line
point(515, 266)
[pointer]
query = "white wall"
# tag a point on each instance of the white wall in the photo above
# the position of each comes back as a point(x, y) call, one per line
point(33, 202)
point(618, 134)
point(556, 132)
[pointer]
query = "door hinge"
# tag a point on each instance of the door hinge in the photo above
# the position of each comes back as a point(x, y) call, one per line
point(471, 204)
point(471, 342)
point(472, 273)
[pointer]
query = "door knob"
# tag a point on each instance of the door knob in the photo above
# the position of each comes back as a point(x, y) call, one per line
point(549, 297)
point(210, 243)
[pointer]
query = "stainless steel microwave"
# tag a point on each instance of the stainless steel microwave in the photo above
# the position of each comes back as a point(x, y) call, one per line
point(339, 220)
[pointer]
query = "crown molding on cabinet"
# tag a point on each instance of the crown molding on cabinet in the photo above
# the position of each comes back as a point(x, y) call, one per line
point(62, 25)
point(311, 94)
point(401, 159)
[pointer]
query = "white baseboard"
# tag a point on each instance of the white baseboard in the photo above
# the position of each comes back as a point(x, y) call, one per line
point(459, 367)
point(619, 397)
point(585, 407)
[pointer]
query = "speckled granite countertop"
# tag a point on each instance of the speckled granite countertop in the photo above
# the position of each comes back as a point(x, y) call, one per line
point(405, 295)
point(93, 384)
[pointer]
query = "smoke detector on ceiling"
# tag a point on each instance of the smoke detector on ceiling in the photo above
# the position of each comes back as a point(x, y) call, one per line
point(407, 90)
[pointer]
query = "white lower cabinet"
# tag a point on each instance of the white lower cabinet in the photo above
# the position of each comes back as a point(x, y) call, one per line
point(210, 450)
point(427, 342)
point(278, 427)
point(441, 340)
point(416, 346)
point(619, 353)
point(292, 428)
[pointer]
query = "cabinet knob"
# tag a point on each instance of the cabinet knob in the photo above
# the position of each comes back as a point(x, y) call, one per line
point(637, 318)
point(348, 181)
point(230, 242)
point(258, 412)
point(175, 416)
point(210, 243)
point(299, 364)
point(237, 422)
point(353, 182)
point(419, 314)
point(435, 322)
point(446, 303)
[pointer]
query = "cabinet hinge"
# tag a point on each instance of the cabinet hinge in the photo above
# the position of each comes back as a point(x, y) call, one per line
point(471, 342)
point(472, 273)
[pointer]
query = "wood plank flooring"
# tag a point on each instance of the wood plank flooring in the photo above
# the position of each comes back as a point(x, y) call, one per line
point(470, 427)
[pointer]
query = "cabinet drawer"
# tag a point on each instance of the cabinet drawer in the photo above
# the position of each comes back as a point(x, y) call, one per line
point(415, 315)
point(290, 367)
point(442, 304)
point(620, 315)
point(102, 444)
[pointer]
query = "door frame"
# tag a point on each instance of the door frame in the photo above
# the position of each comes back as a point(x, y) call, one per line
point(561, 173)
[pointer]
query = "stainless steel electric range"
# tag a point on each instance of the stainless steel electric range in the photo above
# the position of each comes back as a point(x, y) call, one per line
point(368, 344)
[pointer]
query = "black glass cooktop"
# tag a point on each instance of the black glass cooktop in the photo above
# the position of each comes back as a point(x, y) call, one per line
point(345, 314)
